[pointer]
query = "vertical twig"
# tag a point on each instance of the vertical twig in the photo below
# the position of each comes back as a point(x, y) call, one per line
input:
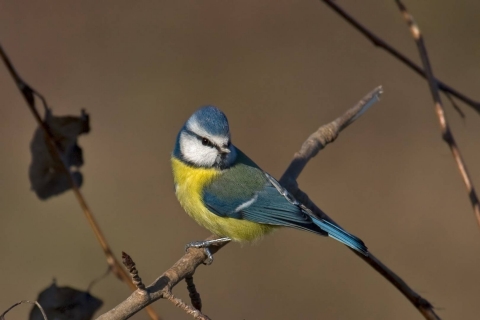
point(193, 293)
point(447, 134)
point(29, 94)
point(130, 265)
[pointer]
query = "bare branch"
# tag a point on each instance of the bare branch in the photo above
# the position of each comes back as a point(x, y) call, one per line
point(377, 41)
point(29, 94)
point(183, 268)
point(2, 316)
point(309, 149)
point(447, 134)
point(325, 135)
point(425, 307)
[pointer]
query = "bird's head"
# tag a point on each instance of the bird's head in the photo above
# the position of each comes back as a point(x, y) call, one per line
point(204, 140)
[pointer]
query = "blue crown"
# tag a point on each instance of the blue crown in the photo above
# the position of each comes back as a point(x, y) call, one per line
point(212, 120)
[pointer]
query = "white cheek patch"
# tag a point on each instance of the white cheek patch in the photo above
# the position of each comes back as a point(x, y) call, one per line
point(195, 152)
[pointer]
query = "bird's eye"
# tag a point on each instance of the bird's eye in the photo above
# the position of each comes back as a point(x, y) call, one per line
point(206, 142)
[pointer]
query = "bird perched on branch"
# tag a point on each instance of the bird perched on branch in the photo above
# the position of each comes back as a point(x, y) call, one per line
point(228, 194)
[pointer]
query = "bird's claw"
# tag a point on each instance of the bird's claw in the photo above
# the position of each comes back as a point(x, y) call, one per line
point(199, 245)
point(209, 259)
point(196, 244)
point(205, 244)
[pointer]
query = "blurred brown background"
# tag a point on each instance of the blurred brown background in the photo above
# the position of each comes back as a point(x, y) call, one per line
point(279, 69)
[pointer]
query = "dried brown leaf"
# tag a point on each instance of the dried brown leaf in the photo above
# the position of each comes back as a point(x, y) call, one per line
point(62, 303)
point(47, 176)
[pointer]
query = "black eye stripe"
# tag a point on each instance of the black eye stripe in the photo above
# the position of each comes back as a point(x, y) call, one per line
point(204, 141)
point(207, 142)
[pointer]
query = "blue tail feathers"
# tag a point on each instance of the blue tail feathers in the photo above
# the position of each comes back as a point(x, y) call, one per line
point(341, 235)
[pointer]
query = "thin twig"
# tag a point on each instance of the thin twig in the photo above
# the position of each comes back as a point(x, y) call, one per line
point(35, 303)
point(195, 313)
point(455, 105)
point(193, 293)
point(94, 281)
point(29, 94)
point(130, 265)
point(377, 41)
point(447, 134)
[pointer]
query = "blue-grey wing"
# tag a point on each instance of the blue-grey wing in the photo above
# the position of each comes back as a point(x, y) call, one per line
point(246, 192)
point(266, 203)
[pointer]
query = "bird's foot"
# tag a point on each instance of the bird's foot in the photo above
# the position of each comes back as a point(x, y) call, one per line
point(205, 244)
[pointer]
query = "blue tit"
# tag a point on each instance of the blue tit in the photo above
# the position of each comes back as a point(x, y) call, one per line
point(228, 194)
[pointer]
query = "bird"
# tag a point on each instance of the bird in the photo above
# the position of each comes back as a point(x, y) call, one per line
point(224, 191)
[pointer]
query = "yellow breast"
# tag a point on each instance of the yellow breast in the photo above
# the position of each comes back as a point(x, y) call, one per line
point(189, 183)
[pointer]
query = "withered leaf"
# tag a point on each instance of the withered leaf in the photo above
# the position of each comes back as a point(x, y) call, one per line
point(47, 177)
point(62, 303)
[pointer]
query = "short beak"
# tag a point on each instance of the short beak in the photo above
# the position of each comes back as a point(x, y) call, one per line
point(224, 150)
